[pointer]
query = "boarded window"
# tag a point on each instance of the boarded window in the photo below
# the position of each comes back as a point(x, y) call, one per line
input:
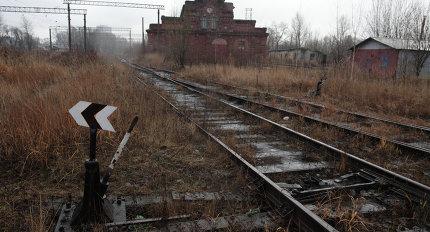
point(209, 23)
point(204, 23)
point(214, 23)
point(241, 45)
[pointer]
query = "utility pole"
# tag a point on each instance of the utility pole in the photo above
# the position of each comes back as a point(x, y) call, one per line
point(131, 49)
point(50, 39)
point(46, 10)
point(158, 28)
point(116, 4)
point(143, 32)
point(248, 13)
point(70, 27)
point(85, 33)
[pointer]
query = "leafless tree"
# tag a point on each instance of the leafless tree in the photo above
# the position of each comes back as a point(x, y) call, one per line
point(277, 33)
point(1, 24)
point(178, 45)
point(299, 31)
point(341, 40)
point(18, 41)
point(395, 19)
point(29, 40)
point(405, 20)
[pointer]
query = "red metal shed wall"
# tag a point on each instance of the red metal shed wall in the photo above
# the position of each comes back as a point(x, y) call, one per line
point(379, 62)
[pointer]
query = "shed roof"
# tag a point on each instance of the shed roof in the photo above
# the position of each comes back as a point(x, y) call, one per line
point(296, 49)
point(399, 44)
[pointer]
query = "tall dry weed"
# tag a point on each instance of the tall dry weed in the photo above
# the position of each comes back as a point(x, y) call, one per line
point(396, 98)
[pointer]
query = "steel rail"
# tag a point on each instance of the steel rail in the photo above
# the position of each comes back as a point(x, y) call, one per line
point(303, 218)
point(404, 147)
point(356, 114)
point(411, 187)
point(316, 105)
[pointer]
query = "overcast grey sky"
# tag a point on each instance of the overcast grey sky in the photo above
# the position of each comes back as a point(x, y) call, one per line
point(319, 14)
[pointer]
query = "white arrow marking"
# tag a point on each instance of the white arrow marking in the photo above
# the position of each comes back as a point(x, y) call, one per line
point(102, 118)
point(76, 112)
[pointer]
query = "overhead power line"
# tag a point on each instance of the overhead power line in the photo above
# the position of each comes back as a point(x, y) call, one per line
point(47, 10)
point(101, 29)
point(118, 4)
point(114, 4)
point(42, 10)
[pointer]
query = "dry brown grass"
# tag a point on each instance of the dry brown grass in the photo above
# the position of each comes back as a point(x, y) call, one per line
point(154, 60)
point(399, 99)
point(42, 149)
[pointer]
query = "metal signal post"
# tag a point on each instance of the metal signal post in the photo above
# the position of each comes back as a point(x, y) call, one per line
point(93, 208)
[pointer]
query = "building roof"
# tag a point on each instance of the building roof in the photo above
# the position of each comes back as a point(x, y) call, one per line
point(295, 49)
point(399, 44)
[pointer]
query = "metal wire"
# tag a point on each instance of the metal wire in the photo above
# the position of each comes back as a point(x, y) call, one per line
point(100, 29)
point(42, 10)
point(114, 4)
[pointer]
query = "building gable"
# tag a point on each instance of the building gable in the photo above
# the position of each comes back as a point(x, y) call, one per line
point(207, 31)
point(373, 45)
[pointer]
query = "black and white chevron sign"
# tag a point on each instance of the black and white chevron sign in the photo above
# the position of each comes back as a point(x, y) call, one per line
point(93, 115)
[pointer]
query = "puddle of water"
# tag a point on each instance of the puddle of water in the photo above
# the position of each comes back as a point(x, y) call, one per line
point(290, 167)
point(210, 119)
point(225, 121)
point(235, 127)
point(289, 160)
point(371, 207)
point(248, 136)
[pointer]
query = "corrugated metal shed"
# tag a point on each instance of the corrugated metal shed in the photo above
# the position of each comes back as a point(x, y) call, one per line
point(399, 44)
point(393, 57)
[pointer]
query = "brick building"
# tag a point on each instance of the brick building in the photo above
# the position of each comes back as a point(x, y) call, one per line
point(206, 32)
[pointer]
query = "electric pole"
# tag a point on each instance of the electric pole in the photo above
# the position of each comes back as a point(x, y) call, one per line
point(70, 27)
point(143, 32)
point(131, 49)
point(158, 28)
point(47, 10)
point(119, 4)
point(50, 39)
point(85, 33)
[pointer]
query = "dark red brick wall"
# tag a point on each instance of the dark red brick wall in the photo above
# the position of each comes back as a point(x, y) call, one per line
point(379, 62)
point(244, 42)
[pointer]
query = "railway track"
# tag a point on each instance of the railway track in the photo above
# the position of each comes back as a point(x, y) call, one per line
point(398, 156)
point(352, 119)
point(314, 186)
